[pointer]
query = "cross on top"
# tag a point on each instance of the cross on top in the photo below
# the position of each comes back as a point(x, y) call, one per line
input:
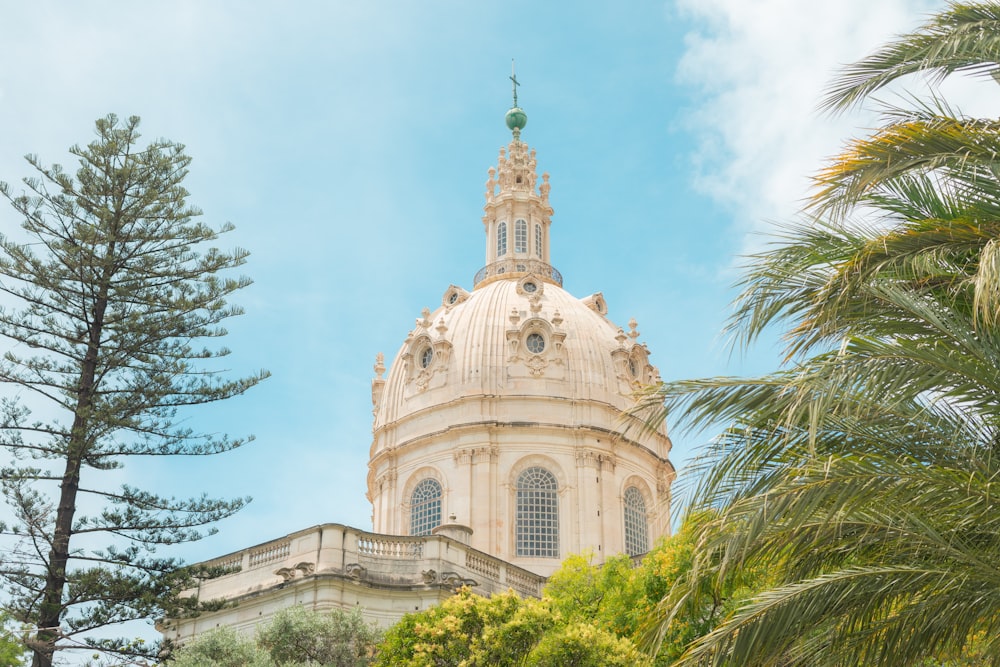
point(513, 77)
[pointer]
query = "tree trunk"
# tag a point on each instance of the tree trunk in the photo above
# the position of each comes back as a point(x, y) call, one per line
point(51, 608)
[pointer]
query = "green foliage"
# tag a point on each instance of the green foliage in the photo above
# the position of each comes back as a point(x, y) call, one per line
point(583, 645)
point(612, 596)
point(860, 475)
point(295, 637)
point(12, 649)
point(588, 615)
point(621, 598)
point(469, 630)
point(112, 287)
point(336, 639)
point(221, 647)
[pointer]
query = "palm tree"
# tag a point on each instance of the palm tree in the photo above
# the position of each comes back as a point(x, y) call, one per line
point(865, 473)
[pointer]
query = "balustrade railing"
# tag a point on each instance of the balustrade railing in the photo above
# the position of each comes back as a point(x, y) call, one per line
point(390, 547)
point(269, 553)
point(484, 566)
point(222, 566)
point(379, 556)
point(523, 583)
point(517, 266)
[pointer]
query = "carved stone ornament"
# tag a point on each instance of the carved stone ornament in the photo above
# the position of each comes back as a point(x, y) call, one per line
point(423, 379)
point(286, 573)
point(356, 570)
point(429, 576)
point(453, 296)
point(306, 568)
point(537, 365)
point(633, 333)
point(422, 376)
point(596, 303)
point(378, 383)
point(536, 362)
point(457, 581)
point(536, 287)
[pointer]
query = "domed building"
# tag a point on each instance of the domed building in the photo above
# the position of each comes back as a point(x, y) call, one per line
point(504, 409)
point(501, 442)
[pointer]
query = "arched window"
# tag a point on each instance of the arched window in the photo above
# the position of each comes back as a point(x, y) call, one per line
point(520, 236)
point(538, 240)
point(636, 528)
point(537, 527)
point(425, 507)
point(501, 239)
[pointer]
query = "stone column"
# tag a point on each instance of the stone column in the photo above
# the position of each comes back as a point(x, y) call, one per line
point(609, 507)
point(588, 486)
point(481, 500)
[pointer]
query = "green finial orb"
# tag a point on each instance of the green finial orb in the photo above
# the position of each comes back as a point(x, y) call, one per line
point(516, 118)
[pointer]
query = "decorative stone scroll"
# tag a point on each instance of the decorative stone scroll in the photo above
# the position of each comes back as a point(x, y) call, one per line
point(456, 580)
point(356, 570)
point(288, 573)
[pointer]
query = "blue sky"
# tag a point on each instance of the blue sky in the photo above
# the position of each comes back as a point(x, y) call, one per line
point(349, 144)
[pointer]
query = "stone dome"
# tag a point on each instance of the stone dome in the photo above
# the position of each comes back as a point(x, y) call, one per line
point(513, 337)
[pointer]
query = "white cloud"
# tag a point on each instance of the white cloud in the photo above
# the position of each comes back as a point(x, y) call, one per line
point(759, 69)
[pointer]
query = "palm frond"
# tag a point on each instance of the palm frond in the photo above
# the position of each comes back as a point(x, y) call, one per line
point(963, 38)
point(963, 151)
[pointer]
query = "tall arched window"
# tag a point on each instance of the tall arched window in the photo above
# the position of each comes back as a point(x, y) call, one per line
point(538, 240)
point(537, 520)
point(520, 236)
point(636, 527)
point(501, 239)
point(425, 507)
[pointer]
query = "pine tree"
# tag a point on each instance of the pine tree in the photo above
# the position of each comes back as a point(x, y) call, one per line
point(106, 304)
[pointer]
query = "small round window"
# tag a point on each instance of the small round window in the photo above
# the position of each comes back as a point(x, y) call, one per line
point(529, 287)
point(426, 357)
point(453, 298)
point(535, 343)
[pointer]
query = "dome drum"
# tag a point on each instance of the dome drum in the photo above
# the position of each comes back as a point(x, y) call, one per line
point(478, 467)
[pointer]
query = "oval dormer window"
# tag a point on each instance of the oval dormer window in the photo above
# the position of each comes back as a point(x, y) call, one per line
point(426, 357)
point(535, 343)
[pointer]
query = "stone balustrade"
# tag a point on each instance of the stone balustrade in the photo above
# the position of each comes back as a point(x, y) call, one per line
point(348, 554)
point(516, 267)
